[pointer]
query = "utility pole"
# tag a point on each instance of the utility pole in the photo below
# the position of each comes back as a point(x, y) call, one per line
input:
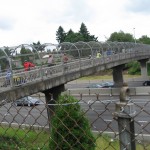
point(134, 35)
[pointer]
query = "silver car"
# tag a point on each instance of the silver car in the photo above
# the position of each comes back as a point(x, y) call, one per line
point(27, 101)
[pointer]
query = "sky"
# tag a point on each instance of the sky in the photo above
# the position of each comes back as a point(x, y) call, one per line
point(28, 21)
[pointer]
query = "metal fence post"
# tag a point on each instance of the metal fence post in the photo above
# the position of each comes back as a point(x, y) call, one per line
point(124, 114)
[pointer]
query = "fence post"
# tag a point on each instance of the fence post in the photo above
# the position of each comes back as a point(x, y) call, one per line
point(124, 114)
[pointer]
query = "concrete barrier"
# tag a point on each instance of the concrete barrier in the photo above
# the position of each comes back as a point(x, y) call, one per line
point(142, 90)
point(108, 91)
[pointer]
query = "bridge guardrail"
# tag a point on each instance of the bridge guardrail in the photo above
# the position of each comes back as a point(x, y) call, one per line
point(75, 65)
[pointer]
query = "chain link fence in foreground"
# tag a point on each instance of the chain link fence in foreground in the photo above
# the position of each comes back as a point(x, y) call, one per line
point(92, 122)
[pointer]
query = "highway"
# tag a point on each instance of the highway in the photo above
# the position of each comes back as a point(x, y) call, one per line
point(99, 111)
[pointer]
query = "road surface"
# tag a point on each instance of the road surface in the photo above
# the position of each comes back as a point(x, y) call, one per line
point(98, 111)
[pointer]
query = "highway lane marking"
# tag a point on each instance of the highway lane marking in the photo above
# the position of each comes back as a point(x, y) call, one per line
point(93, 109)
point(107, 120)
point(142, 121)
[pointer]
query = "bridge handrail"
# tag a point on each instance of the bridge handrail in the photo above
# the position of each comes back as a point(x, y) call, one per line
point(20, 77)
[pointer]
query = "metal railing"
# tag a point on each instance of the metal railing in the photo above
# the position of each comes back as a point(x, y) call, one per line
point(20, 77)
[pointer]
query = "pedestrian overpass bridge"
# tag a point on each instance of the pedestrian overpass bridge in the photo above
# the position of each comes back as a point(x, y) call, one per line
point(82, 62)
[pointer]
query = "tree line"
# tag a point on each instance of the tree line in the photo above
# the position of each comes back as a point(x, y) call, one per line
point(70, 36)
point(84, 35)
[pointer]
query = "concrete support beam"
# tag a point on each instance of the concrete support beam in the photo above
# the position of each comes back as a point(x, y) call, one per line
point(51, 96)
point(143, 64)
point(118, 76)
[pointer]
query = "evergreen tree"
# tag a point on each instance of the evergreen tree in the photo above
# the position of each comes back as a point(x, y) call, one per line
point(85, 33)
point(70, 128)
point(38, 46)
point(83, 30)
point(73, 37)
point(60, 35)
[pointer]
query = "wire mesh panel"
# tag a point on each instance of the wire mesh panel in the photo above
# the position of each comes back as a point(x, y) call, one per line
point(82, 122)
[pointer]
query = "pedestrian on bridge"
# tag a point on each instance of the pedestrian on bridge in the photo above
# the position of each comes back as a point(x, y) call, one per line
point(28, 65)
point(8, 76)
point(65, 58)
point(98, 55)
point(50, 60)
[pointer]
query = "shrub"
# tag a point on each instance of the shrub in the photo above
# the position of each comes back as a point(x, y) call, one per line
point(148, 68)
point(134, 68)
point(70, 129)
point(9, 143)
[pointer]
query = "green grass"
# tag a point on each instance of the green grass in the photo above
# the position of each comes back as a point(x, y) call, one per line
point(24, 139)
point(105, 142)
point(106, 77)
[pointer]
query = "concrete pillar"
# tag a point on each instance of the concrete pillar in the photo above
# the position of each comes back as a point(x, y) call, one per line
point(51, 97)
point(143, 65)
point(118, 76)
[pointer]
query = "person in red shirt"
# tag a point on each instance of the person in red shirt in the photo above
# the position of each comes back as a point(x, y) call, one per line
point(27, 65)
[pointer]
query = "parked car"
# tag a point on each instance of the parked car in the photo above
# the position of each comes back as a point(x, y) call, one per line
point(27, 101)
point(94, 85)
point(146, 83)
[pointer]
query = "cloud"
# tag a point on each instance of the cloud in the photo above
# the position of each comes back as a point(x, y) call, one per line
point(139, 6)
point(23, 21)
point(79, 11)
point(6, 23)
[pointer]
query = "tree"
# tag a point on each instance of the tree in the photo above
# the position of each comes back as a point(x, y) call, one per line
point(85, 33)
point(60, 35)
point(73, 37)
point(134, 68)
point(70, 128)
point(38, 46)
point(25, 52)
point(3, 60)
point(70, 36)
point(7, 50)
point(121, 37)
point(144, 39)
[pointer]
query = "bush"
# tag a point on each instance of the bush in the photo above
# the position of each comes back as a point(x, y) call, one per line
point(134, 68)
point(9, 143)
point(70, 129)
point(148, 69)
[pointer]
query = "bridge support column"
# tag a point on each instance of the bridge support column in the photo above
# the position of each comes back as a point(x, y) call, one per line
point(118, 76)
point(51, 97)
point(144, 68)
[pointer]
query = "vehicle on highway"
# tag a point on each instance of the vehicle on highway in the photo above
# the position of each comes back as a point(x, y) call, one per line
point(27, 101)
point(107, 84)
point(101, 85)
point(146, 83)
point(94, 85)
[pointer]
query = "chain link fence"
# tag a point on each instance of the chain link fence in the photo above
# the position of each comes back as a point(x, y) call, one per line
point(113, 122)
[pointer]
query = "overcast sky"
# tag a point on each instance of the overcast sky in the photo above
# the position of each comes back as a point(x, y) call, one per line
point(28, 21)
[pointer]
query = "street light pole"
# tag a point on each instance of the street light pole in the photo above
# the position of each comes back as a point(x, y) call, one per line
point(134, 35)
